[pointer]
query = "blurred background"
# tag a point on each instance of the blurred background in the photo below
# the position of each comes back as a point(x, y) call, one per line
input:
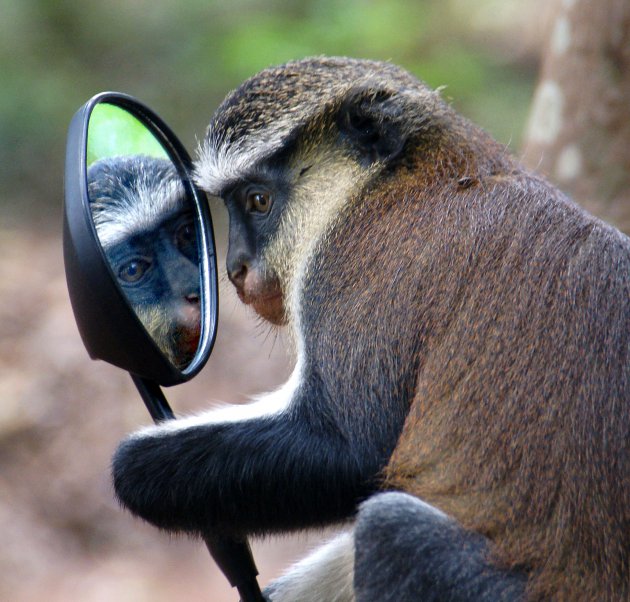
point(61, 415)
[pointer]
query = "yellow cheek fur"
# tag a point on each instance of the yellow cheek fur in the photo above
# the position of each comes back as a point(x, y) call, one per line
point(316, 201)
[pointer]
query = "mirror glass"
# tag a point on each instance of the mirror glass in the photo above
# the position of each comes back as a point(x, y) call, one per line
point(147, 226)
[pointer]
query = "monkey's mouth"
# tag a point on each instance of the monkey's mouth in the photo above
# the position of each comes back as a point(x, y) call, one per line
point(265, 298)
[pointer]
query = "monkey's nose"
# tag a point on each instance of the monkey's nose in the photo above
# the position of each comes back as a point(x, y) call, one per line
point(238, 274)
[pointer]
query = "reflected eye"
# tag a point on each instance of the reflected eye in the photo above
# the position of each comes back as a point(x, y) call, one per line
point(133, 271)
point(185, 236)
point(259, 201)
point(186, 241)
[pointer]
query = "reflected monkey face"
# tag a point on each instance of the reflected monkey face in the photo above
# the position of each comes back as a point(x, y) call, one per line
point(146, 226)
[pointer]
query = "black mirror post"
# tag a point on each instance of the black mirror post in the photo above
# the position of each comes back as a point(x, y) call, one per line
point(153, 398)
point(233, 556)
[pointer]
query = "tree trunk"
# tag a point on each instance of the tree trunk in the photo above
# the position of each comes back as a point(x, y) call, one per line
point(579, 128)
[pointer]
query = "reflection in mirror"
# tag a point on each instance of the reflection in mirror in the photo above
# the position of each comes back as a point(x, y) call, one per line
point(146, 226)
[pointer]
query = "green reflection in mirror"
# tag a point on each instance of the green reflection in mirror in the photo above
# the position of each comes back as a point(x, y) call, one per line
point(147, 226)
point(113, 131)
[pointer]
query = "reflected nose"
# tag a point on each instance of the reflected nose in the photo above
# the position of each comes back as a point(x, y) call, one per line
point(181, 276)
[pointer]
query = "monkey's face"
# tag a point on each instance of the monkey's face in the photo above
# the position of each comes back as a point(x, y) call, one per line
point(287, 152)
point(277, 212)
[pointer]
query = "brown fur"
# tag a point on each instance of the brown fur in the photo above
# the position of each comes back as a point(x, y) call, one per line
point(519, 426)
point(519, 423)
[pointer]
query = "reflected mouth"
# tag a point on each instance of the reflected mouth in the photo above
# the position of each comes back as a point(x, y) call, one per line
point(188, 328)
point(188, 339)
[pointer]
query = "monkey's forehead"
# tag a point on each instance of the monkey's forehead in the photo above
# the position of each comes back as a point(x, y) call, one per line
point(257, 118)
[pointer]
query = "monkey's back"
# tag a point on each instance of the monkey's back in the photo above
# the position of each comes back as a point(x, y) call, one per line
point(518, 421)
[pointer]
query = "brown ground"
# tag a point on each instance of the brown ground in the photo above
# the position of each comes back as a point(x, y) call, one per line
point(61, 415)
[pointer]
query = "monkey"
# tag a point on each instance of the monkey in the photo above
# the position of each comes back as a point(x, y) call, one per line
point(459, 401)
point(146, 227)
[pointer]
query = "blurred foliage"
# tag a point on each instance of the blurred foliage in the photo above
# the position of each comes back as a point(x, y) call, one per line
point(113, 132)
point(181, 58)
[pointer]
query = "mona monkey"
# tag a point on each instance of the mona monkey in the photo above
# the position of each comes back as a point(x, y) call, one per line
point(146, 226)
point(462, 333)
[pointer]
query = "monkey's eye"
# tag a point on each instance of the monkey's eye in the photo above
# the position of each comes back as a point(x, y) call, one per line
point(259, 201)
point(133, 271)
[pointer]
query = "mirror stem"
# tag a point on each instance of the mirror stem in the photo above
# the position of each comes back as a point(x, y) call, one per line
point(154, 399)
point(233, 556)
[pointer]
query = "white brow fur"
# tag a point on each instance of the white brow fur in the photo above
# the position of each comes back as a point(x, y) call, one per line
point(221, 162)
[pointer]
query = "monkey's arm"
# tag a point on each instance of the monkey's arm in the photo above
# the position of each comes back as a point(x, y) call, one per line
point(289, 468)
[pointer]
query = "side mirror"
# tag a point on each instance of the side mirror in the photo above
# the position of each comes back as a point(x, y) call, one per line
point(138, 243)
point(141, 265)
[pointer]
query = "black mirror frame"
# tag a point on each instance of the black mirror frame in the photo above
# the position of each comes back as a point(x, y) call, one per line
point(108, 326)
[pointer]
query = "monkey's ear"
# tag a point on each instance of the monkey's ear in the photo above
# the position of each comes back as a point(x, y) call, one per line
point(371, 121)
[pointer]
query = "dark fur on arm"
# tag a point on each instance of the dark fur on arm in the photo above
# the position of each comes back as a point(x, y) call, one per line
point(285, 471)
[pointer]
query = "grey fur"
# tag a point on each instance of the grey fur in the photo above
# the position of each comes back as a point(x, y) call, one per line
point(408, 551)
